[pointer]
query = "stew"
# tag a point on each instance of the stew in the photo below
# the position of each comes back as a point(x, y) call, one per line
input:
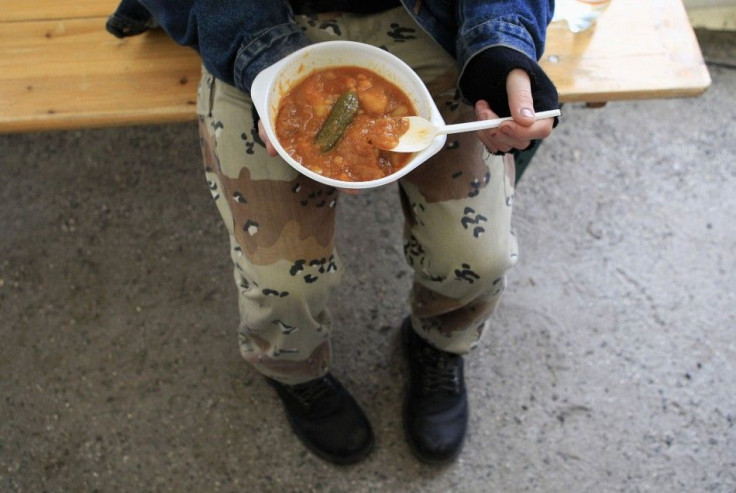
point(320, 126)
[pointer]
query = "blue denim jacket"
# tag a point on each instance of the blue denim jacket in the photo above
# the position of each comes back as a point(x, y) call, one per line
point(238, 38)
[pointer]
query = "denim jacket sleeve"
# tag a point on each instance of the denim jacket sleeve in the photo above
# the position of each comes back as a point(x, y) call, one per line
point(517, 24)
point(493, 38)
point(488, 38)
point(236, 39)
point(467, 27)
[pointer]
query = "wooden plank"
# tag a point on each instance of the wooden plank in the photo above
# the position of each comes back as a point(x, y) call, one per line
point(34, 10)
point(68, 73)
point(82, 76)
point(637, 50)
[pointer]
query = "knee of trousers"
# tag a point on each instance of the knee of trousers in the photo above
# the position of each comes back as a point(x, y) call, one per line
point(297, 301)
point(478, 269)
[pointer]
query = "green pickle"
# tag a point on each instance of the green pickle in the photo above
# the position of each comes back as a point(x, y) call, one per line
point(340, 116)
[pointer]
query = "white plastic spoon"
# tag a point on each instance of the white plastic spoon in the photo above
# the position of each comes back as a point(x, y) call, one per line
point(421, 132)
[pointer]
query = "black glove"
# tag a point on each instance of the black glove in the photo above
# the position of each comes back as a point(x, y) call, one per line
point(485, 78)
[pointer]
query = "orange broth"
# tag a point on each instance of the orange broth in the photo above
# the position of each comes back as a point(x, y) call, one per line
point(303, 111)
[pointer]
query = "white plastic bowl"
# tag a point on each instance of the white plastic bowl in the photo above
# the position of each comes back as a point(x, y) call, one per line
point(278, 79)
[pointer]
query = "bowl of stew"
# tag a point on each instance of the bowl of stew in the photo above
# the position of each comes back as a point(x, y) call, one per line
point(325, 106)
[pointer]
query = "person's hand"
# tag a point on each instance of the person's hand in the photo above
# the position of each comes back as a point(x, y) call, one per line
point(519, 132)
point(270, 149)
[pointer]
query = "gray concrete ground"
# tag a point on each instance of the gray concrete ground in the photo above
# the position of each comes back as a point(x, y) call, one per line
point(612, 365)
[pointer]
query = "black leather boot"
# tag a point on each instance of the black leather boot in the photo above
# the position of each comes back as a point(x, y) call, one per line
point(327, 419)
point(436, 405)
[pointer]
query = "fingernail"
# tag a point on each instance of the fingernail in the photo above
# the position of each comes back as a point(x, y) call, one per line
point(527, 113)
point(506, 130)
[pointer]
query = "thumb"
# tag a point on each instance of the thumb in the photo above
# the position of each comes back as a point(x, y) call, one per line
point(521, 103)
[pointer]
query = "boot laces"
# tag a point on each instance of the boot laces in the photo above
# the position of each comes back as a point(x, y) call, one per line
point(440, 371)
point(308, 393)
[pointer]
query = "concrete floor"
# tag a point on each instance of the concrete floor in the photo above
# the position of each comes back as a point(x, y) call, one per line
point(612, 366)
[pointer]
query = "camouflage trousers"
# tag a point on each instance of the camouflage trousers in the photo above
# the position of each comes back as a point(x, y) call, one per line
point(457, 208)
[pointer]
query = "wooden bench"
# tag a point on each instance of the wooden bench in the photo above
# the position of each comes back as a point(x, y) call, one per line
point(60, 69)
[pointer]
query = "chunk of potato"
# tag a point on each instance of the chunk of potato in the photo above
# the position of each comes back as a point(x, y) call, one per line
point(321, 110)
point(400, 110)
point(373, 101)
point(364, 83)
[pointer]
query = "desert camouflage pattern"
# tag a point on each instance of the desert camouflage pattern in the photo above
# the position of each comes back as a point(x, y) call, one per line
point(457, 237)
